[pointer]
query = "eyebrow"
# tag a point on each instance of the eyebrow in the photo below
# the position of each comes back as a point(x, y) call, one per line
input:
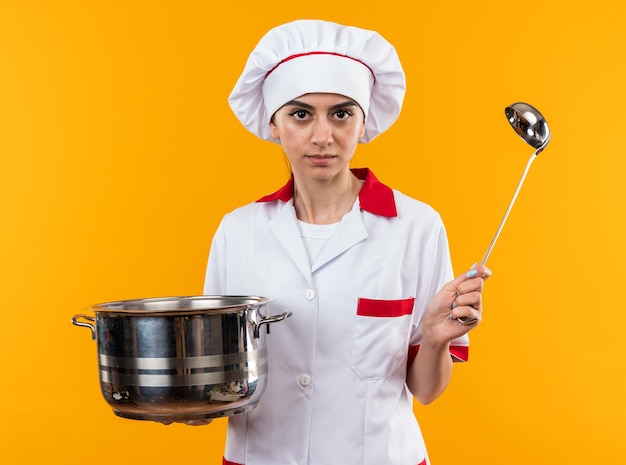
point(347, 103)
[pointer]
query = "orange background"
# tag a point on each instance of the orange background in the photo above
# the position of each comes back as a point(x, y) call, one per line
point(119, 155)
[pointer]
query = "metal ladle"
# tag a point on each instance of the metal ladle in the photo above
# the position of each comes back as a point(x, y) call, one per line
point(531, 126)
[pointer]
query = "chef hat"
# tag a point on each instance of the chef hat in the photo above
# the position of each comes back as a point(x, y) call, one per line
point(308, 56)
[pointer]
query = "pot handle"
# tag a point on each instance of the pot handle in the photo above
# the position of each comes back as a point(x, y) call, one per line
point(266, 320)
point(86, 325)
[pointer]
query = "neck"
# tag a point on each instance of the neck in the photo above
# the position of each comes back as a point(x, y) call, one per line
point(325, 201)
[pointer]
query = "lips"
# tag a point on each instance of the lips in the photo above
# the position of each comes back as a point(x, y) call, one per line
point(321, 160)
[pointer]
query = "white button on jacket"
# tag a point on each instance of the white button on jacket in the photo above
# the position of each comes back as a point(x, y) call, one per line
point(305, 380)
point(364, 297)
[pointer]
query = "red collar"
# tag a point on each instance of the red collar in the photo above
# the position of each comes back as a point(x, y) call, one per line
point(374, 197)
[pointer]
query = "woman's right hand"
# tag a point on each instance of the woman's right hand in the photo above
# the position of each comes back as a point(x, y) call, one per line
point(202, 422)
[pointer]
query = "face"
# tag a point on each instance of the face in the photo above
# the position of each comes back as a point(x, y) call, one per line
point(319, 133)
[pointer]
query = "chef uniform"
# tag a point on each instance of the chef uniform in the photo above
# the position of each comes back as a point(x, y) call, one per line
point(357, 290)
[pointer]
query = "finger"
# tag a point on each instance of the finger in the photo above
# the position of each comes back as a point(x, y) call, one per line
point(482, 270)
point(472, 299)
point(198, 422)
point(465, 315)
point(453, 286)
point(466, 308)
point(471, 285)
point(475, 283)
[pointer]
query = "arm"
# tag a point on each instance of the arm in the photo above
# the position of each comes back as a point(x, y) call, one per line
point(431, 370)
point(212, 285)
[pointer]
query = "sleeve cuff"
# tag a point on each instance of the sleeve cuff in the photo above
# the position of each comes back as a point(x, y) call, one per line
point(458, 353)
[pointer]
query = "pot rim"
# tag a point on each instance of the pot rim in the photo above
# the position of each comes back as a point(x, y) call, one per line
point(180, 305)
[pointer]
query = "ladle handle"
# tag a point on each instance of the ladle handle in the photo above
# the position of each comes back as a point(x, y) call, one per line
point(508, 210)
point(470, 321)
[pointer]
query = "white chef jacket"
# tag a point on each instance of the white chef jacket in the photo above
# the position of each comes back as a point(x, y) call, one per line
point(336, 391)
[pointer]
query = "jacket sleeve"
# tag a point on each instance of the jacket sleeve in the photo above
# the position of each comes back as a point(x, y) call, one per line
point(441, 273)
point(215, 277)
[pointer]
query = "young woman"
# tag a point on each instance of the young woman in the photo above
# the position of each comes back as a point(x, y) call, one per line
point(377, 317)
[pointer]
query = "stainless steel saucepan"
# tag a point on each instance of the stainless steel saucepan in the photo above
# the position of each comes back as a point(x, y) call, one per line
point(181, 358)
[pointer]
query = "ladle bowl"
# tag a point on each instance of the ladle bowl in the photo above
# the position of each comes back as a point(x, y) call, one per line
point(529, 124)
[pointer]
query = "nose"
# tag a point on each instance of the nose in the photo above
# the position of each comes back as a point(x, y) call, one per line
point(322, 133)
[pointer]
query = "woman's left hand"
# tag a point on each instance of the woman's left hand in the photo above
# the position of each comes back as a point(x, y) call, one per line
point(457, 307)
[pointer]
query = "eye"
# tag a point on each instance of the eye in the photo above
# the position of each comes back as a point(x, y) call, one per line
point(343, 114)
point(299, 114)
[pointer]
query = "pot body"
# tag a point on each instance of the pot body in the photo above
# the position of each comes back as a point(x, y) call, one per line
point(181, 358)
